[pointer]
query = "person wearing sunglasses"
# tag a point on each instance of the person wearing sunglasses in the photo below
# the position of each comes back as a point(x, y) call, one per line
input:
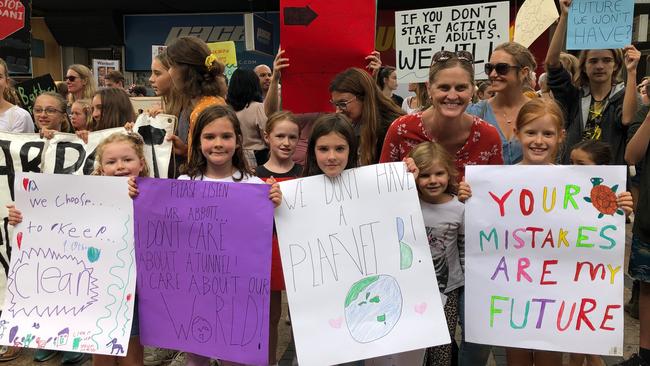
point(80, 82)
point(356, 95)
point(598, 106)
point(510, 74)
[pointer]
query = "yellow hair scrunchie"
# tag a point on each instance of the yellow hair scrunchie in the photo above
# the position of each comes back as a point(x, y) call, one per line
point(209, 61)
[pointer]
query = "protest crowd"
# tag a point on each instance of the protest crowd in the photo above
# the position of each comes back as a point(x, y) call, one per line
point(587, 107)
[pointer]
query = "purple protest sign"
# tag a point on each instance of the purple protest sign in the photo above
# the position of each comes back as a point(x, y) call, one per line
point(203, 252)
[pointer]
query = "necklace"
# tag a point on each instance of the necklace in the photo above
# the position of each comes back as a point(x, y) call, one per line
point(508, 120)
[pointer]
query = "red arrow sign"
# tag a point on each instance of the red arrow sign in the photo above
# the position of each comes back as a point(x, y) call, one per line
point(12, 17)
point(321, 39)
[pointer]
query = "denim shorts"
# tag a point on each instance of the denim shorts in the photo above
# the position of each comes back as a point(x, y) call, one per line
point(640, 260)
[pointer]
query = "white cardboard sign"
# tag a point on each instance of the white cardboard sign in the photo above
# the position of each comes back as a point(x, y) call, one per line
point(357, 266)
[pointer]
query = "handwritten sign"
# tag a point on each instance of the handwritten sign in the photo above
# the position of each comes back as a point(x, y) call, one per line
point(30, 89)
point(226, 54)
point(533, 18)
point(63, 154)
point(419, 34)
point(71, 282)
point(204, 262)
point(357, 266)
point(544, 258)
point(600, 24)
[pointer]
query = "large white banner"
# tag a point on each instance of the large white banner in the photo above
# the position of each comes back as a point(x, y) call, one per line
point(66, 154)
point(357, 266)
point(544, 250)
point(71, 284)
point(419, 34)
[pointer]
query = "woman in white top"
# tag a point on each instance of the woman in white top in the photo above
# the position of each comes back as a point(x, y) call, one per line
point(12, 117)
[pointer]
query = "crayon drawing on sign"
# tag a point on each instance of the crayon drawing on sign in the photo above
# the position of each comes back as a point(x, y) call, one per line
point(548, 273)
point(357, 266)
point(71, 281)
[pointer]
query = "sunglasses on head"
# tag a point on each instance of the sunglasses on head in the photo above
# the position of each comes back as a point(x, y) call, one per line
point(71, 78)
point(462, 55)
point(501, 68)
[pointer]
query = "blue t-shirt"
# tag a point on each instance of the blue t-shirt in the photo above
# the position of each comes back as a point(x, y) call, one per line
point(512, 153)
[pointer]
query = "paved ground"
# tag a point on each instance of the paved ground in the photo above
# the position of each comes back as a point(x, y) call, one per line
point(286, 349)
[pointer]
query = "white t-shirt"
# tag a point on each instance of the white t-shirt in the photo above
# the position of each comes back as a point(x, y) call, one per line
point(16, 119)
point(247, 179)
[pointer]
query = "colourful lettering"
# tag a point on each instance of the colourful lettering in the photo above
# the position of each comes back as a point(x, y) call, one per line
point(553, 197)
point(582, 314)
point(562, 238)
point(525, 193)
point(501, 201)
point(559, 317)
point(501, 267)
point(522, 264)
point(545, 271)
point(569, 191)
point(493, 232)
point(602, 235)
point(582, 237)
point(607, 317)
point(493, 310)
point(512, 311)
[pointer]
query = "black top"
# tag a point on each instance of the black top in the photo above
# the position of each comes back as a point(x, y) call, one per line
point(295, 172)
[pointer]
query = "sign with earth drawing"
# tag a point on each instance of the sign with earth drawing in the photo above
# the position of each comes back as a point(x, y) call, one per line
point(357, 266)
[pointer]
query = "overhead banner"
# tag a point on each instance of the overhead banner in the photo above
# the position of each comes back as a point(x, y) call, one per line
point(204, 262)
point(71, 284)
point(544, 258)
point(336, 34)
point(599, 24)
point(419, 34)
point(63, 154)
point(357, 266)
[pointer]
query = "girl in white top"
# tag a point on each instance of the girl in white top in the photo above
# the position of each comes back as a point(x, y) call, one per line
point(12, 117)
point(216, 155)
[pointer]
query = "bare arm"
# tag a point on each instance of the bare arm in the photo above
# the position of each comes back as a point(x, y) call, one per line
point(630, 99)
point(637, 147)
point(272, 100)
point(554, 49)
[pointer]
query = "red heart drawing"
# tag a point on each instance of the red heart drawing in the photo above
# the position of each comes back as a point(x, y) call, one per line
point(25, 183)
point(19, 239)
point(128, 297)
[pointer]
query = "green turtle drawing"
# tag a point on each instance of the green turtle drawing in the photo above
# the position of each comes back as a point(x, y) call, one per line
point(603, 198)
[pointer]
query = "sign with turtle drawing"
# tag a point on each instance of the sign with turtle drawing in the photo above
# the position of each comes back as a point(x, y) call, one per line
point(357, 266)
point(71, 283)
point(544, 258)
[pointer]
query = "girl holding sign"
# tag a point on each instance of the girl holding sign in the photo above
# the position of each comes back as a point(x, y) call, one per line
point(50, 116)
point(599, 107)
point(281, 135)
point(539, 128)
point(118, 155)
point(435, 176)
point(216, 155)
